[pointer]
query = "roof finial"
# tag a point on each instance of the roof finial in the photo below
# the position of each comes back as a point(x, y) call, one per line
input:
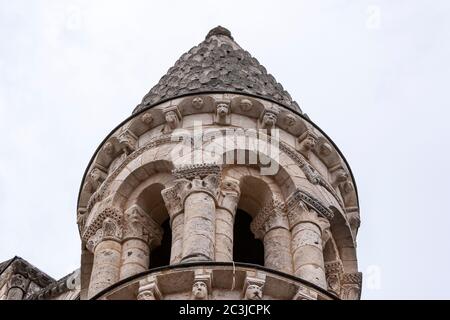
point(219, 31)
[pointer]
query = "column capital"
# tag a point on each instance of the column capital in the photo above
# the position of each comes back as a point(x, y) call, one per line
point(111, 229)
point(229, 194)
point(351, 286)
point(334, 271)
point(271, 216)
point(139, 225)
point(299, 199)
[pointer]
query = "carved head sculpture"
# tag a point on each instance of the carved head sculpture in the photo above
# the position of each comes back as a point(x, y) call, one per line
point(108, 148)
point(289, 120)
point(308, 142)
point(171, 119)
point(146, 295)
point(246, 105)
point(269, 119)
point(199, 290)
point(340, 175)
point(222, 110)
point(197, 103)
point(253, 292)
point(147, 118)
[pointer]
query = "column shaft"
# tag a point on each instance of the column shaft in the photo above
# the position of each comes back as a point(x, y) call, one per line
point(135, 257)
point(106, 266)
point(277, 250)
point(199, 227)
point(224, 235)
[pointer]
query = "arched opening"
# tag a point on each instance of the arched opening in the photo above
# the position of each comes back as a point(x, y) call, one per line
point(246, 248)
point(160, 256)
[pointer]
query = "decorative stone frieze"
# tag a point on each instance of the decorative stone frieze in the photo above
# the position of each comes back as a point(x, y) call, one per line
point(298, 197)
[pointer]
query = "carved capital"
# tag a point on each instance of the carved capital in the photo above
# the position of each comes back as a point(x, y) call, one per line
point(351, 286)
point(299, 202)
point(111, 229)
point(229, 194)
point(271, 216)
point(139, 225)
point(149, 289)
point(107, 222)
point(334, 272)
point(173, 199)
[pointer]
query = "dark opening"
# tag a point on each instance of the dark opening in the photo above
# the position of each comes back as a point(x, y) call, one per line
point(160, 256)
point(246, 248)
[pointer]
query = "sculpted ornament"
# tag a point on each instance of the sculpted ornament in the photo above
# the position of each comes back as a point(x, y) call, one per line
point(199, 291)
point(147, 118)
point(306, 143)
point(269, 119)
point(222, 115)
point(246, 105)
point(127, 141)
point(173, 119)
point(253, 292)
point(197, 103)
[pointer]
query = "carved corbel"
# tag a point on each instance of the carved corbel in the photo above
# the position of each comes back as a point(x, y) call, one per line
point(94, 179)
point(354, 220)
point(269, 119)
point(351, 286)
point(222, 115)
point(338, 176)
point(348, 194)
point(306, 143)
point(173, 119)
point(139, 225)
point(253, 285)
point(202, 285)
point(149, 289)
point(304, 293)
point(127, 141)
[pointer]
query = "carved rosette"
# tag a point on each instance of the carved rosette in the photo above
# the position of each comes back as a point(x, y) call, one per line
point(139, 225)
point(271, 216)
point(351, 285)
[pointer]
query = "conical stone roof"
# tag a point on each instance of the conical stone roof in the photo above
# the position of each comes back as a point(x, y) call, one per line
point(218, 64)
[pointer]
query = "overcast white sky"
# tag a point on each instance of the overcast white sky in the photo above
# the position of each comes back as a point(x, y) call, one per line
point(374, 75)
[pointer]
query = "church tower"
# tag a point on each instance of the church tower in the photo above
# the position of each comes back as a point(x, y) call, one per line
point(218, 186)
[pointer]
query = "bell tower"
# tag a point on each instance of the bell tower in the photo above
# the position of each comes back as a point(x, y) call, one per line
point(218, 186)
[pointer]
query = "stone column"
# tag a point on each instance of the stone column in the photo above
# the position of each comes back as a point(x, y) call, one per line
point(105, 244)
point(174, 203)
point(225, 213)
point(194, 197)
point(200, 219)
point(307, 248)
point(271, 226)
point(141, 234)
